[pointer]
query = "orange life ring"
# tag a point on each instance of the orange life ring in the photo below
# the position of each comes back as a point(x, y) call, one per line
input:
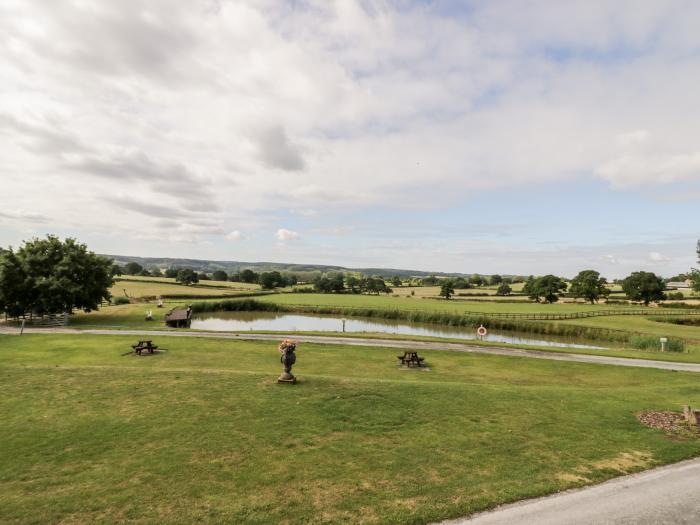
point(482, 331)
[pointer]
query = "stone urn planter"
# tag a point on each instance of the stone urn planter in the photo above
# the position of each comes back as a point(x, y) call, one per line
point(287, 358)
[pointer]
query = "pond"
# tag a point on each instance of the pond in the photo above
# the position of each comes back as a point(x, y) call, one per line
point(283, 322)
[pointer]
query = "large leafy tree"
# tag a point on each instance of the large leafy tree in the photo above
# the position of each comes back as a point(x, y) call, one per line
point(447, 289)
point(15, 292)
point(695, 273)
point(46, 276)
point(645, 287)
point(504, 289)
point(547, 287)
point(219, 275)
point(133, 268)
point(589, 285)
point(187, 276)
point(249, 276)
point(529, 288)
point(270, 280)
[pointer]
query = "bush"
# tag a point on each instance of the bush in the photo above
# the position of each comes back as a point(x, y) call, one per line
point(121, 300)
point(675, 296)
point(685, 306)
point(650, 342)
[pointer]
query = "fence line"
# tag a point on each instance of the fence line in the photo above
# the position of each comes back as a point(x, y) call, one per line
point(506, 315)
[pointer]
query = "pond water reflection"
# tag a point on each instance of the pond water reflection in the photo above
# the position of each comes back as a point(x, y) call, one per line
point(284, 322)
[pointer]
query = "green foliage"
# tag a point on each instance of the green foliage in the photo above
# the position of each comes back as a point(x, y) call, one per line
point(529, 288)
point(116, 270)
point(644, 286)
point(171, 273)
point(431, 280)
point(248, 276)
point(694, 277)
point(547, 287)
point(270, 280)
point(47, 276)
point(133, 268)
point(447, 289)
point(353, 283)
point(121, 300)
point(495, 279)
point(16, 290)
point(589, 285)
point(503, 289)
point(331, 283)
point(675, 296)
point(647, 342)
point(461, 283)
point(187, 276)
point(476, 280)
point(219, 275)
point(374, 285)
point(237, 305)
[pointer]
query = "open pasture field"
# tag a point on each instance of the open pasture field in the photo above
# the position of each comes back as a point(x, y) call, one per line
point(150, 288)
point(201, 432)
point(251, 287)
point(434, 291)
point(427, 304)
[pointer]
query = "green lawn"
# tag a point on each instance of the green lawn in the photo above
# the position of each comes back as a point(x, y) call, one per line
point(202, 433)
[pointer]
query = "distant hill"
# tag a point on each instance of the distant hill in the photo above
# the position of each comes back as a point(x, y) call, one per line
point(235, 266)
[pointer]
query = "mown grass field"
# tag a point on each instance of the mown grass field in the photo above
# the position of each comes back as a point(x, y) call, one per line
point(202, 433)
point(216, 284)
point(154, 286)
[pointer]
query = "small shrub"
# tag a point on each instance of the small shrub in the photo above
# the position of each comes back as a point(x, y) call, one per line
point(650, 342)
point(121, 300)
point(675, 296)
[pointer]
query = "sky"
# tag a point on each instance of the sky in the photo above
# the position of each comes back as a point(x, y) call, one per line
point(500, 136)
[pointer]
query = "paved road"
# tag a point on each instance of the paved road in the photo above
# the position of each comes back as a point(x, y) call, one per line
point(667, 495)
point(391, 343)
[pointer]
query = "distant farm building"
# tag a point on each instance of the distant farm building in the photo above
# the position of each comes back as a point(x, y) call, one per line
point(679, 285)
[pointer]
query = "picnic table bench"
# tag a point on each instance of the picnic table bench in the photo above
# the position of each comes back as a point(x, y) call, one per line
point(144, 345)
point(410, 358)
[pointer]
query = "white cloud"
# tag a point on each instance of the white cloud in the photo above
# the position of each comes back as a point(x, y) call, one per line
point(658, 257)
point(287, 235)
point(644, 169)
point(235, 235)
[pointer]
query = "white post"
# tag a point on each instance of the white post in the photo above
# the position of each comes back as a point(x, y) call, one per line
point(21, 330)
point(663, 340)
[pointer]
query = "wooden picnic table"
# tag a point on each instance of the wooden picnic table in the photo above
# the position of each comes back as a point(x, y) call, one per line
point(410, 358)
point(144, 345)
